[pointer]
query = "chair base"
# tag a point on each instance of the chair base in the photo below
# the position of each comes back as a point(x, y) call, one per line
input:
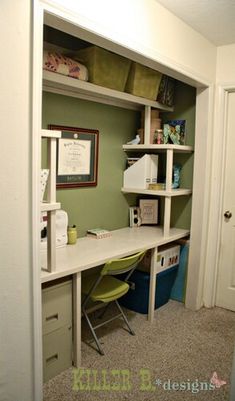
point(93, 328)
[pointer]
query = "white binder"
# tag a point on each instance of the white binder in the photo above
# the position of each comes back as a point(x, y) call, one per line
point(142, 173)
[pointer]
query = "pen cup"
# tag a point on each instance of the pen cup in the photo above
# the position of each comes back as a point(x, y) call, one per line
point(72, 235)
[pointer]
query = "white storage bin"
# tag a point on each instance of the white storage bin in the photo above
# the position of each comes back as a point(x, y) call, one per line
point(168, 257)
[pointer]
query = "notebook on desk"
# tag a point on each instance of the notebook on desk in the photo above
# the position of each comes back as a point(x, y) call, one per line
point(98, 233)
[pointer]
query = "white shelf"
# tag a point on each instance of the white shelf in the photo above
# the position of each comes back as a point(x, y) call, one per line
point(49, 206)
point(158, 148)
point(48, 133)
point(68, 86)
point(173, 192)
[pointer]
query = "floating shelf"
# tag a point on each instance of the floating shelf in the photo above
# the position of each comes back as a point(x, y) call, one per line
point(158, 148)
point(68, 86)
point(49, 206)
point(48, 133)
point(173, 192)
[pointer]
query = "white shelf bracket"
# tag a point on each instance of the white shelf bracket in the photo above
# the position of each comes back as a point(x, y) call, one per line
point(147, 125)
point(51, 198)
point(51, 149)
point(152, 284)
point(51, 241)
point(169, 169)
point(167, 217)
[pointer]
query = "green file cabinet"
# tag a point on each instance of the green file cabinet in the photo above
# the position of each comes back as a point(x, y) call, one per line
point(57, 328)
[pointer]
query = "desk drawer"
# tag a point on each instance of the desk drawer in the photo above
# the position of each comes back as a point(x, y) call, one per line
point(56, 306)
point(57, 352)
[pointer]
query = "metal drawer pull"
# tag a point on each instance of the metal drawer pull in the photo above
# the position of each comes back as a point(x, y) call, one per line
point(52, 358)
point(52, 317)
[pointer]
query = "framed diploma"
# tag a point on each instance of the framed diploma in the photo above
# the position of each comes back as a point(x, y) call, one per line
point(77, 157)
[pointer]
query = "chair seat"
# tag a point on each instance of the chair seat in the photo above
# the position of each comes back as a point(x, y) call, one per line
point(107, 290)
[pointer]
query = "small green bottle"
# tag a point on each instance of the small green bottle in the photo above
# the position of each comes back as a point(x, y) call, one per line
point(72, 235)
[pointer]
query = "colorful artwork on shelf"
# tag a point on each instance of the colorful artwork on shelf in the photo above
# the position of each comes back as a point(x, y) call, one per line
point(174, 132)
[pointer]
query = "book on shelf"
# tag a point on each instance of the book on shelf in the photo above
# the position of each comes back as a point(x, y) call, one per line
point(98, 233)
point(158, 186)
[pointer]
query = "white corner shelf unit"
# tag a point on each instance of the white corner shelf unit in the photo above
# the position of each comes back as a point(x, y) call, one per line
point(169, 149)
point(50, 205)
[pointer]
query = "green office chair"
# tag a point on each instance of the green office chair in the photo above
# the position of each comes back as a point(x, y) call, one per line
point(103, 287)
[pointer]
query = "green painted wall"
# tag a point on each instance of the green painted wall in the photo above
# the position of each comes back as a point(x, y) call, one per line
point(104, 205)
point(184, 109)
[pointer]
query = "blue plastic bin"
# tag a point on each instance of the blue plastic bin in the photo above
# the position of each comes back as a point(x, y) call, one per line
point(137, 299)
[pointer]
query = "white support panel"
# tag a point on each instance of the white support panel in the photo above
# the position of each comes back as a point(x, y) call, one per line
point(46, 206)
point(147, 124)
point(169, 168)
point(47, 133)
point(167, 217)
point(51, 191)
point(77, 318)
point(158, 148)
point(51, 241)
point(57, 83)
point(172, 192)
point(152, 284)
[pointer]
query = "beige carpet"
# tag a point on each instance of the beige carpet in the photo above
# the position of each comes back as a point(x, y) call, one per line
point(181, 349)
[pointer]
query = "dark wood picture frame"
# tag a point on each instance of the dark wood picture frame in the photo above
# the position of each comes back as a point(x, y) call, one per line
point(77, 157)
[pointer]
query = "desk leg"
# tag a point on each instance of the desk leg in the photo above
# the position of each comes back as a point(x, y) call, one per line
point(152, 285)
point(77, 318)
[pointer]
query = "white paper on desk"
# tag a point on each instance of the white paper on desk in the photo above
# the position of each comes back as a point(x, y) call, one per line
point(74, 157)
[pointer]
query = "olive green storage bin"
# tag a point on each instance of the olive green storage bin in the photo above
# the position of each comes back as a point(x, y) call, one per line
point(57, 352)
point(143, 81)
point(104, 68)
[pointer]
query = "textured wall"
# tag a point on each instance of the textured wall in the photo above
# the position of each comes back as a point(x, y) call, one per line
point(147, 28)
point(225, 71)
point(16, 373)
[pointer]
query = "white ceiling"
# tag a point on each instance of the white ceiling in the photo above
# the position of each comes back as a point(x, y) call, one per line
point(214, 19)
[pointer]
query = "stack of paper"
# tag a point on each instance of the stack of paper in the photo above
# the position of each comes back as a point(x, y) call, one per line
point(98, 233)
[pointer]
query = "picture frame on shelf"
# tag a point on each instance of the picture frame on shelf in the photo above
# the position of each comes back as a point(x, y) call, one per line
point(148, 211)
point(174, 132)
point(77, 157)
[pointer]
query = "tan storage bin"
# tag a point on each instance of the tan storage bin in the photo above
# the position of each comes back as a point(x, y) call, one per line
point(104, 68)
point(56, 306)
point(57, 352)
point(143, 81)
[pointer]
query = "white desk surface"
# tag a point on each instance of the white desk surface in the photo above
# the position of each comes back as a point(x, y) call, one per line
point(90, 252)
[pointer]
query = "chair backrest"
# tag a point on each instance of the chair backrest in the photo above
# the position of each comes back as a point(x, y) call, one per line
point(122, 265)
